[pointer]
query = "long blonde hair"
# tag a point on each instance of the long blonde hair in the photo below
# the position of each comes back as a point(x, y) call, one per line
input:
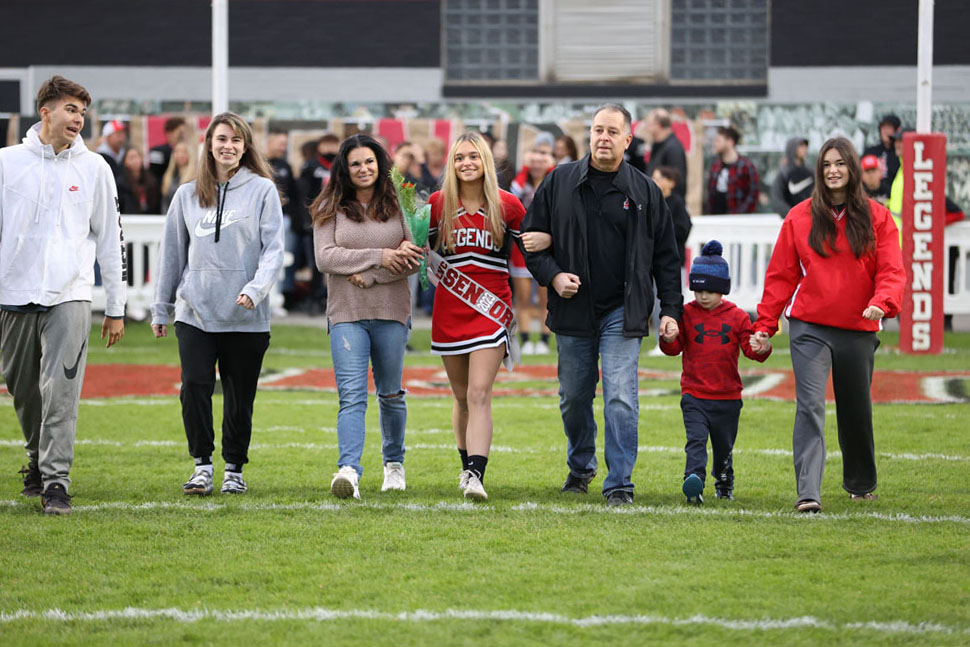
point(207, 178)
point(186, 174)
point(450, 192)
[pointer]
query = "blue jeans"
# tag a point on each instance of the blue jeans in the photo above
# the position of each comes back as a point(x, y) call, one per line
point(578, 376)
point(351, 345)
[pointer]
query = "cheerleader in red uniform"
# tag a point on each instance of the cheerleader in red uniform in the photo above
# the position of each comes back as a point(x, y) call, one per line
point(473, 226)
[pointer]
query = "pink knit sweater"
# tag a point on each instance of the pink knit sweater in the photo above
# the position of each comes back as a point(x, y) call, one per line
point(343, 247)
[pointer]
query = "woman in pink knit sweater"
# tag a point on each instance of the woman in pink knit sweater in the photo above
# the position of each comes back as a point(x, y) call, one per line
point(363, 245)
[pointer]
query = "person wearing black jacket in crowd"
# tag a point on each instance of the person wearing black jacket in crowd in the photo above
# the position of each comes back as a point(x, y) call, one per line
point(159, 156)
point(612, 237)
point(296, 221)
point(794, 182)
point(667, 178)
point(885, 149)
point(666, 149)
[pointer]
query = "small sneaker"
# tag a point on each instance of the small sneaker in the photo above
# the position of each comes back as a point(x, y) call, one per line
point(541, 348)
point(693, 489)
point(474, 489)
point(233, 483)
point(56, 500)
point(656, 351)
point(200, 482)
point(344, 483)
point(393, 477)
point(463, 480)
point(868, 496)
point(723, 493)
point(808, 506)
point(529, 348)
point(33, 483)
point(619, 497)
point(577, 484)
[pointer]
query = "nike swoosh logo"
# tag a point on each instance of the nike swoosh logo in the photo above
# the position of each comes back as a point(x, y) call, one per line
point(206, 231)
point(798, 187)
point(71, 373)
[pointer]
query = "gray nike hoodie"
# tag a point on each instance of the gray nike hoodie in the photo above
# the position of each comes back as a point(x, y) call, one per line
point(200, 277)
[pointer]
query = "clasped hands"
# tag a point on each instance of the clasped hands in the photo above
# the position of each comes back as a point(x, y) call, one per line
point(398, 261)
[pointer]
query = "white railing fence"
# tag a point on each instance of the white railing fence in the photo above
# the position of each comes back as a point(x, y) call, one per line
point(747, 242)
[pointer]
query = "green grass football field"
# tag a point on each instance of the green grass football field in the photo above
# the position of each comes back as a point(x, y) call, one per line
point(138, 563)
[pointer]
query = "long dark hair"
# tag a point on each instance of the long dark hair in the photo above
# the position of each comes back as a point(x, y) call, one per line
point(340, 194)
point(858, 218)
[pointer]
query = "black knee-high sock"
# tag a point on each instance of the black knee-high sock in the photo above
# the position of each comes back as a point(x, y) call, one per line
point(477, 465)
point(464, 458)
point(524, 337)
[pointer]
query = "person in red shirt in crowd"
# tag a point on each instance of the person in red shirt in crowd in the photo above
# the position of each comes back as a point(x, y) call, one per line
point(836, 271)
point(712, 332)
point(732, 183)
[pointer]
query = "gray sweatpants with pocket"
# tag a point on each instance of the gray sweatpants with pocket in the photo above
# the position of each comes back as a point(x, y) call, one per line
point(848, 354)
point(42, 356)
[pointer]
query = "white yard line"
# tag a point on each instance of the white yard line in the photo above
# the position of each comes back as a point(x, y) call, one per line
point(319, 614)
point(527, 507)
point(501, 449)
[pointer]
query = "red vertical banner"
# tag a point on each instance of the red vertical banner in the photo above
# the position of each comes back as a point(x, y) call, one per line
point(923, 218)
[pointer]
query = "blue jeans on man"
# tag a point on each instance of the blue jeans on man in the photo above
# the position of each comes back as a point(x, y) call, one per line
point(578, 377)
point(352, 345)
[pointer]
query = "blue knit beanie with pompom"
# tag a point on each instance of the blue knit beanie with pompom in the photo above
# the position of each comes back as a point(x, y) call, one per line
point(709, 271)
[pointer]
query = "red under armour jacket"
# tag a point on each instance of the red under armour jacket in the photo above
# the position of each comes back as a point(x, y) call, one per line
point(833, 290)
point(710, 341)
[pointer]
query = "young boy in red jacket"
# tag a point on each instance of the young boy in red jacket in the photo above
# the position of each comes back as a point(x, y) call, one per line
point(712, 331)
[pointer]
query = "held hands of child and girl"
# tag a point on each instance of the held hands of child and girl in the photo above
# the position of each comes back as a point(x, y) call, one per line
point(760, 341)
point(406, 257)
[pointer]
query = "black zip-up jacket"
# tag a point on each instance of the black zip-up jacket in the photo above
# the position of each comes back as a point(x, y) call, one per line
point(651, 250)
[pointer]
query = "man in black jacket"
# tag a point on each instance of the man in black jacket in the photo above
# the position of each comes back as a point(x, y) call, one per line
point(612, 237)
point(666, 149)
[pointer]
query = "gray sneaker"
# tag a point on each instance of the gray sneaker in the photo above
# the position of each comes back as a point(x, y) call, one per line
point(200, 483)
point(233, 483)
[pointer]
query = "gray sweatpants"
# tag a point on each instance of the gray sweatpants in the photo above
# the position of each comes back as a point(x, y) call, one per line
point(848, 354)
point(42, 356)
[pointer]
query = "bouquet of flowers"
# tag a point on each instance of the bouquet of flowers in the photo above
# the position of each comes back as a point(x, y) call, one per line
point(417, 215)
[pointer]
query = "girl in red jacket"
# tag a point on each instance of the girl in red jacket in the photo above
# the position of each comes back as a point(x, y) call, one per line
point(836, 271)
point(712, 331)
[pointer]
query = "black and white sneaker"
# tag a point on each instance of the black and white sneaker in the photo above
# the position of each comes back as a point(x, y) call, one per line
point(56, 500)
point(200, 483)
point(33, 483)
point(233, 483)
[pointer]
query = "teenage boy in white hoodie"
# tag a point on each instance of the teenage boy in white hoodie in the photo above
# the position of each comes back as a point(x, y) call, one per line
point(58, 212)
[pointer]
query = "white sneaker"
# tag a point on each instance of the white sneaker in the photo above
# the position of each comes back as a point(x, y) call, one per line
point(233, 483)
point(344, 483)
point(200, 482)
point(393, 477)
point(463, 480)
point(541, 348)
point(655, 352)
point(529, 348)
point(474, 489)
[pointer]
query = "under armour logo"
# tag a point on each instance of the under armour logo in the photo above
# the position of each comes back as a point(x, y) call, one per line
point(722, 333)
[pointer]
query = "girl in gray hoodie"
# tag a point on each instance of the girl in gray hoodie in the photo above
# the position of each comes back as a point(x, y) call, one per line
point(220, 255)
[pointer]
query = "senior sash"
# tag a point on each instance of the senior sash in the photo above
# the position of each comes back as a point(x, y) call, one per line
point(476, 297)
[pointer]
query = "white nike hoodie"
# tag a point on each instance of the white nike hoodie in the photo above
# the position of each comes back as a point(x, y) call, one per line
point(57, 214)
point(200, 278)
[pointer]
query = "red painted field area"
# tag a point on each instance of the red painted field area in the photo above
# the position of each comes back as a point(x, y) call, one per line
point(116, 380)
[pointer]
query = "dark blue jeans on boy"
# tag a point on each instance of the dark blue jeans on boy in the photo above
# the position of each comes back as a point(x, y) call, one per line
point(717, 419)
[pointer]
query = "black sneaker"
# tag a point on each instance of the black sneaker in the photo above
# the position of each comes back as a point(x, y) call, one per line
point(619, 497)
point(723, 493)
point(33, 483)
point(56, 500)
point(577, 484)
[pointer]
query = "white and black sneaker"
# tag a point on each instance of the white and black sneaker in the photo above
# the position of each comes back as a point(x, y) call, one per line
point(344, 483)
point(200, 483)
point(233, 483)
